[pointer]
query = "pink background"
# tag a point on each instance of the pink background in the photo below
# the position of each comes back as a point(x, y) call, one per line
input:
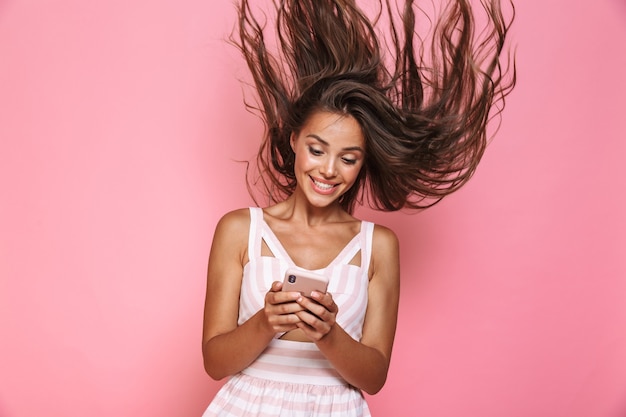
point(120, 124)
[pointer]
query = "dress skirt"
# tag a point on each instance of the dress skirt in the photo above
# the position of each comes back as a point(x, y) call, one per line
point(289, 379)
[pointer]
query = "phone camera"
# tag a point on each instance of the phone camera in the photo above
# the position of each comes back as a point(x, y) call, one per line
point(291, 279)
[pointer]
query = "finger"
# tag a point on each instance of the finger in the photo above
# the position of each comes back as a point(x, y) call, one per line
point(316, 311)
point(325, 299)
point(309, 318)
point(283, 317)
point(290, 320)
point(320, 304)
point(285, 308)
point(313, 327)
point(285, 323)
point(314, 308)
point(274, 296)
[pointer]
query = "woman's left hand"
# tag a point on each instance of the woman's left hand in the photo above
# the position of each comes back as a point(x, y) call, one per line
point(319, 316)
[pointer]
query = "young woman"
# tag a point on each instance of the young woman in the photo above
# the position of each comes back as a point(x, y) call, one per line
point(342, 129)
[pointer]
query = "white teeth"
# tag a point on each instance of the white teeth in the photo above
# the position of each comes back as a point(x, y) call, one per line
point(323, 186)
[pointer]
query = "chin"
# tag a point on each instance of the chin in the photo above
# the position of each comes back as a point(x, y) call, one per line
point(324, 201)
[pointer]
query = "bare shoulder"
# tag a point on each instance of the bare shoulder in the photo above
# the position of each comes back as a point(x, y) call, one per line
point(231, 232)
point(384, 238)
point(236, 220)
point(385, 251)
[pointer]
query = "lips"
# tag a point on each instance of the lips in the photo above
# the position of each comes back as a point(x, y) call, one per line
point(323, 187)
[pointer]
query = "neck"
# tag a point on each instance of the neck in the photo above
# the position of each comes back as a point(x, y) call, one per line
point(299, 209)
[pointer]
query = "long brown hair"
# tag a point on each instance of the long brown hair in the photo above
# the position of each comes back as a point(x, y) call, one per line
point(423, 111)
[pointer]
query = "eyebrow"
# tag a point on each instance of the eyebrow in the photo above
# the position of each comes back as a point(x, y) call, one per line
point(349, 148)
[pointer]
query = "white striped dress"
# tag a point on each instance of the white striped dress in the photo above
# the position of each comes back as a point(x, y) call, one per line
point(293, 378)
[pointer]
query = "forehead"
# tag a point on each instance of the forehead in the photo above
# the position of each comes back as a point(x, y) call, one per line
point(335, 129)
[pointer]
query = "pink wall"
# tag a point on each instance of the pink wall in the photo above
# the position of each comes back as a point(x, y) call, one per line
point(119, 126)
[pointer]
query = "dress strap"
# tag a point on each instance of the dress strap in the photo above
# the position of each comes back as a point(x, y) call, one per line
point(367, 236)
point(272, 242)
point(362, 242)
point(350, 250)
point(260, 232)
point(254, 237)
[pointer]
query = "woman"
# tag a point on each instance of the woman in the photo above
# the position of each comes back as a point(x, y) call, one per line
point(342, 128)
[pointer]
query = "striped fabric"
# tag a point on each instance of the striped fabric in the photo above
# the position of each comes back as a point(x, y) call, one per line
point(347, 283)
point(294, 362)
point(290, 379)
point(294, 379)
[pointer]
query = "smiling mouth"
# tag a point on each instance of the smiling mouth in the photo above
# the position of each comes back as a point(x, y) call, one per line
point(322, 185)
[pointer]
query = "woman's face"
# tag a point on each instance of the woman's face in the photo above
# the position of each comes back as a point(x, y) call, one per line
point(330, 151)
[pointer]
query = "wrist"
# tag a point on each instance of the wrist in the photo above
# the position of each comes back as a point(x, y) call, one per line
point(329, 338)
point(264, 327)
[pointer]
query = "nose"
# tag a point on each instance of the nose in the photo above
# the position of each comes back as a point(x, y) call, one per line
point(329, 168)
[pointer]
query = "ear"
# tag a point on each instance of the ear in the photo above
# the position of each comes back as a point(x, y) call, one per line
point(292, 141)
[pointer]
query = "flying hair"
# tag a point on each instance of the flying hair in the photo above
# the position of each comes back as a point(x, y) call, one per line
point(423, 96)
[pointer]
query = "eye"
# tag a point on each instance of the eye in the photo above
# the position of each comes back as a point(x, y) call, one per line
point(349, 161)
point(315, 152)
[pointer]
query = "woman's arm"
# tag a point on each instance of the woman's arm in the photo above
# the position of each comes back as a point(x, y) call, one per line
point(362, 364)
point(226, 347)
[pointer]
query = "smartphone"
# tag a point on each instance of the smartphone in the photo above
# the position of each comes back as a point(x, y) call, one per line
point(304, 281)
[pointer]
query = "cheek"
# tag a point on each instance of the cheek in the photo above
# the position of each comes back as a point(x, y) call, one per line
point(352, 172)
point(302, 161)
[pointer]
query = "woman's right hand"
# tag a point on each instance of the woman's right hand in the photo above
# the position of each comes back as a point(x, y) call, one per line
point(281, 308)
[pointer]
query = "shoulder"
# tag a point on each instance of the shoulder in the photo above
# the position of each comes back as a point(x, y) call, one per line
point(383, 237)
point(235, 218)
point(385, 251)
point(231, 237)
point(233, 225)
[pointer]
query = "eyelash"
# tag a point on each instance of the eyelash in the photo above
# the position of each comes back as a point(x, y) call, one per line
point(317, 152)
